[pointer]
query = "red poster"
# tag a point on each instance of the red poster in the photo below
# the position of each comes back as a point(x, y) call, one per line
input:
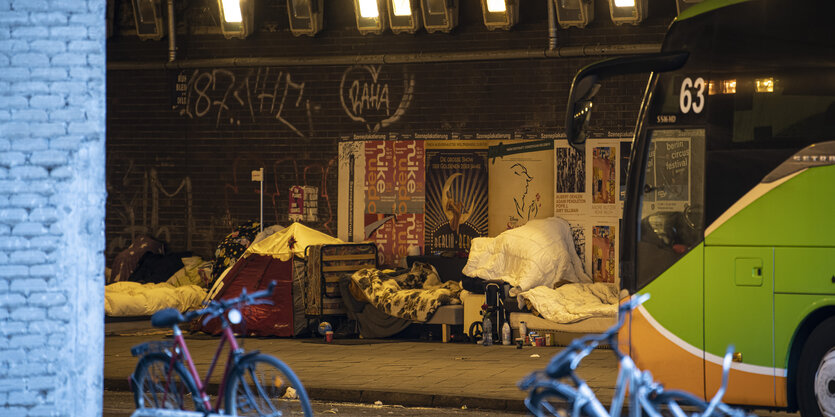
point(408, 232)
point(382, 235)
point(380, 195)
point(296, 209)
point(410, 176)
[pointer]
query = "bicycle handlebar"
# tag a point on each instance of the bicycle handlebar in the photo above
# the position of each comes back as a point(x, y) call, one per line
point(216, 307)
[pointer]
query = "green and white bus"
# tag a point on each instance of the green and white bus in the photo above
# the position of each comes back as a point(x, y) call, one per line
point(729, 214)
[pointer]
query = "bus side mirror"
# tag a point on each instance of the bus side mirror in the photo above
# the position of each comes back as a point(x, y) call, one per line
point(586, 84)
point(580, 103)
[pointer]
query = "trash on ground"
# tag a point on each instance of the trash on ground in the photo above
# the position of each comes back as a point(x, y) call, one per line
point(290, 393)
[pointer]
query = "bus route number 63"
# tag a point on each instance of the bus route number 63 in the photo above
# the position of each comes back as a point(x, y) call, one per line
point(692, 95)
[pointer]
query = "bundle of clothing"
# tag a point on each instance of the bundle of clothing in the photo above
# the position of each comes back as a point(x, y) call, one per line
point(540, 262)
point(412, 294)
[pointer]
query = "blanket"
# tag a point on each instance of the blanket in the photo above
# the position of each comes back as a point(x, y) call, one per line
point(125, 298)
point(541, 252)
point(413, 294)
point(573, 302)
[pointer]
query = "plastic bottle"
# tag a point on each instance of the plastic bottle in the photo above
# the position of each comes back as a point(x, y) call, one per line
point(487, 333)
point(523, 332)
point(506, 333)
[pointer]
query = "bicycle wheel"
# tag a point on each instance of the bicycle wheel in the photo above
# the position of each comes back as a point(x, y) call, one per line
point(262, 385)
point(156, 384)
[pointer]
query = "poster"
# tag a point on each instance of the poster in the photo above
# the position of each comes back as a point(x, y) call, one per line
point(351, 192)
point(456, 198)
point(409, 235)
point(668, 174)
point(380, 194)
point(604, 253)
point(603, 183)
point(521, 184)
point(409, 176)
point(589, 192)
point(578, 233)
point(379, 228)
point(570, 198)
point(304, 203)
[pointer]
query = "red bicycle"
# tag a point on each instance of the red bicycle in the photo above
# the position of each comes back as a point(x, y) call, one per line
point(254, 384)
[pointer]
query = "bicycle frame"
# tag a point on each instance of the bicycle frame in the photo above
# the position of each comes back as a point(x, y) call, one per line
point(184, 354)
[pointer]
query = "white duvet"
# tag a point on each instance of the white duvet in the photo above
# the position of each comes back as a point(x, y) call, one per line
point(126, 298)
point(574, 302)
point(539, 253)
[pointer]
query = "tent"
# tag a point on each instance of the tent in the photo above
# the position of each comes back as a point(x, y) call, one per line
point(280, 258)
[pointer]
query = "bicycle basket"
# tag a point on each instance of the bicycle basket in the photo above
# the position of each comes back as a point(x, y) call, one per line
point(160, 346)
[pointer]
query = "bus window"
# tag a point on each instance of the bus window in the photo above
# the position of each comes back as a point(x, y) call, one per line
point(672, 200)
point(766, 118)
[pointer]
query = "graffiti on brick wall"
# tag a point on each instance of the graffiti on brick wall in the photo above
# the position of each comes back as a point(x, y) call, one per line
point(275, 200)
point(232, 100)
point(367, 98)
point(138, 212)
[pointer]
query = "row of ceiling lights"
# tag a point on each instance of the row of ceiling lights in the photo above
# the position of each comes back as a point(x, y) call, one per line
point(401, 16)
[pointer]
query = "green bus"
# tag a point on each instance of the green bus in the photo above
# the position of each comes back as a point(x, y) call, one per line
point(729, 212)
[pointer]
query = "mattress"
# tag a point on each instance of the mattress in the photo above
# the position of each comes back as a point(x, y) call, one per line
point(448, 314)
point(589, 325)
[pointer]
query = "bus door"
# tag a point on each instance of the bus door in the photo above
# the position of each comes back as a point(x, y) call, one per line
point(666, 334)
point(739, 311)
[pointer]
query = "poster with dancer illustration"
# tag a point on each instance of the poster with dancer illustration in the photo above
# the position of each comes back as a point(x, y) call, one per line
point(521, 184)
point(456, 198)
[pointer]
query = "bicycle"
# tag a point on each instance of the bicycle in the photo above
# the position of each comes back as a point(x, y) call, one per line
point(645, 395)
point(253, 384)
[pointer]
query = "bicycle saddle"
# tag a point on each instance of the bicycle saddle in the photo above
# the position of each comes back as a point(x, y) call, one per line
point(167, 318)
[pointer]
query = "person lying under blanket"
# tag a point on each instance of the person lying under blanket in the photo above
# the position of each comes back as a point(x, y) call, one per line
point(412, 294)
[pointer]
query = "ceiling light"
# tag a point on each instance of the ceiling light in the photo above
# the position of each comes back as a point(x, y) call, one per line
point(369, 9)
point(404, 16)
point(305, 16)
point(232, 11)
point(627, 11)
point(439, 15)
point(495, 6)
point(401, 7)
point(236, 18)
point(500, 14)
point(764, 85)
point(369, 17)
point(576, 13)
point(148, 19)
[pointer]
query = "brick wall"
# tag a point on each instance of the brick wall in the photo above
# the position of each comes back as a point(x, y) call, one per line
point(52, 69)
point(182, 171)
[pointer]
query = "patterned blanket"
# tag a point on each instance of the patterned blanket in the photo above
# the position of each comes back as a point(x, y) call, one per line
point(409, 294)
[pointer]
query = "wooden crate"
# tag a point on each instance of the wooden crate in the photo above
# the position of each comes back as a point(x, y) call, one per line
point(325, 265)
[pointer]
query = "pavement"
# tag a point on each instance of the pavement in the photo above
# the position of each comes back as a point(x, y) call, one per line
point(391, 371)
